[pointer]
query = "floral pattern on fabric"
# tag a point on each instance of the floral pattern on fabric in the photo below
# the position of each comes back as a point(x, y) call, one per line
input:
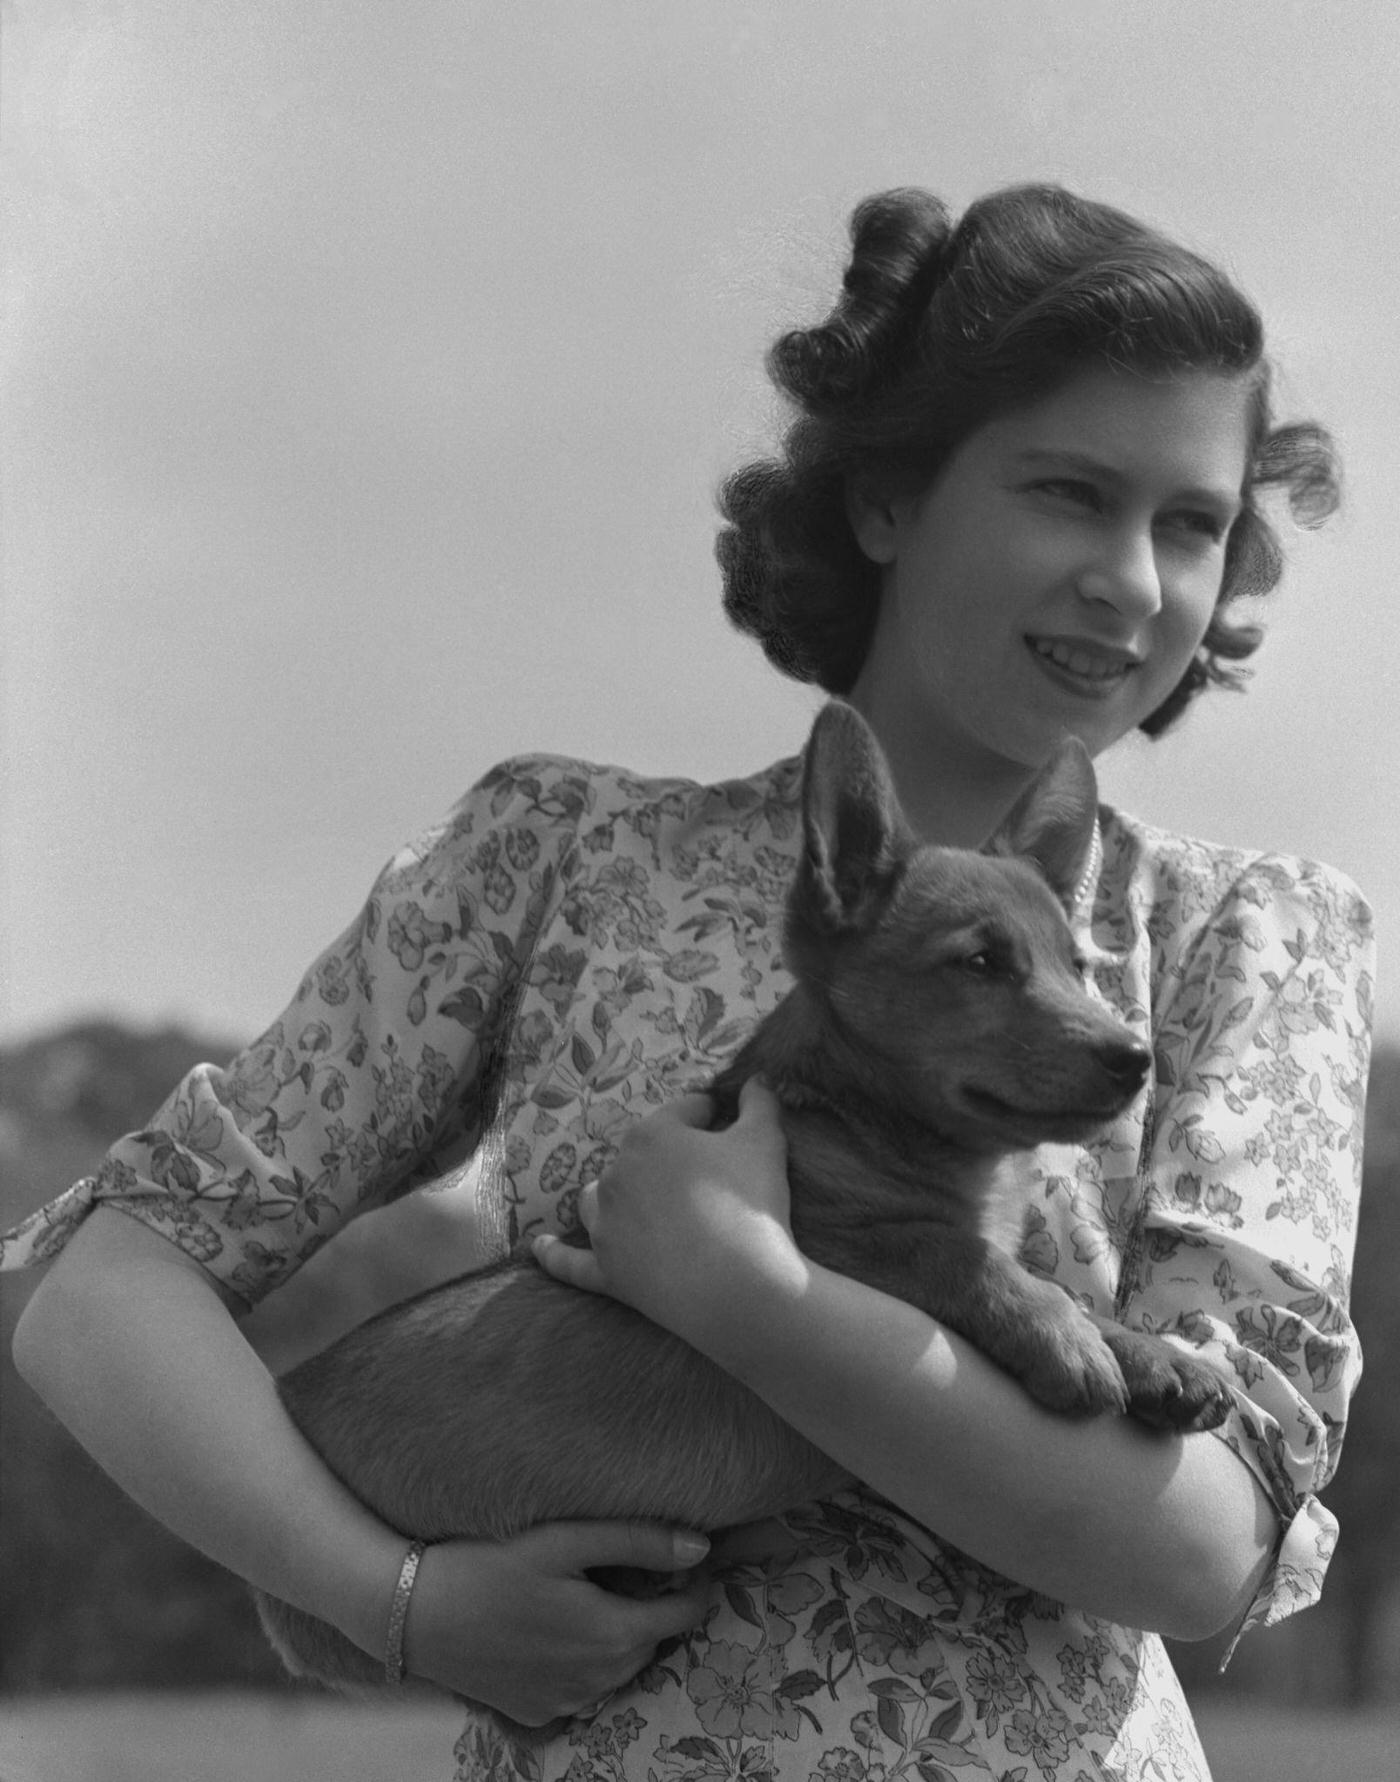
point(856, 1655)
point(575, 946)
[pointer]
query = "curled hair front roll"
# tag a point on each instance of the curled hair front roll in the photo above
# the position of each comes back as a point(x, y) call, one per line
point(899, 243)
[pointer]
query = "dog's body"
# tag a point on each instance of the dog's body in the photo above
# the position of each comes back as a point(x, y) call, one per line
point(938, 1026)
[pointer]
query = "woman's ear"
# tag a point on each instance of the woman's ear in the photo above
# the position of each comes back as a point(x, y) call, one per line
point(875, 515)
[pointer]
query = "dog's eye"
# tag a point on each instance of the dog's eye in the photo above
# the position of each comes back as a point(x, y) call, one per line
point(979, 962)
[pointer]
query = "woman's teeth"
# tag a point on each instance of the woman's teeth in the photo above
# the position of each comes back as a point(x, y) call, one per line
point(1081, 662)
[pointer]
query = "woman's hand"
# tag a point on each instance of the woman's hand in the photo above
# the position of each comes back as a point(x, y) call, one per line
point(516, 1624)
point(684, 1219)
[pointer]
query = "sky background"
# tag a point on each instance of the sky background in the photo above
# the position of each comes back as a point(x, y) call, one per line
point(368, 370)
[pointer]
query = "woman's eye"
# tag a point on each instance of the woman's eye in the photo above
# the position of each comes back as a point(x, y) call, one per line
point(1198, 524)
point(1070, 489)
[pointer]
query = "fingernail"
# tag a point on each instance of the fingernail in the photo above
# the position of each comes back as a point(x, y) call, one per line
point(689, 1548)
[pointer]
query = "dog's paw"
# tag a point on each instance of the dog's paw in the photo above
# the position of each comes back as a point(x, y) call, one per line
point(1072, 1370)
point(1168, 1388)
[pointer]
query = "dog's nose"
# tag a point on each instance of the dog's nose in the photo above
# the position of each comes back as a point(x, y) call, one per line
point(1125, 1063)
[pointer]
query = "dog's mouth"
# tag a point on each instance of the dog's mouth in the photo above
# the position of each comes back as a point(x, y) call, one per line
point(1037, 1125)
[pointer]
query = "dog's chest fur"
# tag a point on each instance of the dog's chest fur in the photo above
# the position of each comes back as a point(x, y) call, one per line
point(859, 1186)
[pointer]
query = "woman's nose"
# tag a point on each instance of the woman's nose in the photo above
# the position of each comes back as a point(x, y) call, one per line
point(1125, 576)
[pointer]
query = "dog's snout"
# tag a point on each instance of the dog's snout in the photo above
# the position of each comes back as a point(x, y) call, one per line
point(1125, 1063)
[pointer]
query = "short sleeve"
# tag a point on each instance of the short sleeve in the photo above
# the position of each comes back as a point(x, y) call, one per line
point(1253, 1165)
point(375, 1072)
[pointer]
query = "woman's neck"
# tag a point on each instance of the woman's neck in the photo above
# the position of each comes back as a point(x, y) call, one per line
point(952, 793)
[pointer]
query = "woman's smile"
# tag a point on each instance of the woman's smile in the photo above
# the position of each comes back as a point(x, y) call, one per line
point(1083, 665)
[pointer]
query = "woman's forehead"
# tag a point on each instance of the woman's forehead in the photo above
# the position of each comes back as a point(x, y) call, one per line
point(1192, 428)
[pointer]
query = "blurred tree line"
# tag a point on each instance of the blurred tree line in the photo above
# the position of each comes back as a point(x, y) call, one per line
point(96, 1595)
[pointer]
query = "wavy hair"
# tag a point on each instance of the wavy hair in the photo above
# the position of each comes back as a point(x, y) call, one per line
point(940, 327)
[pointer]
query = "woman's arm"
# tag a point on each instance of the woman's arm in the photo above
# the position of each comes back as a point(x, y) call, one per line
point(1164, 1532)
point(133, 1346)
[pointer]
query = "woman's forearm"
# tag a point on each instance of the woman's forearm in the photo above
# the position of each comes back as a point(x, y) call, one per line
point(1164, 1532)
point(130, 1345)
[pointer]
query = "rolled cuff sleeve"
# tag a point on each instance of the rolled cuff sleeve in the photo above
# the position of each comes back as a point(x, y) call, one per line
point(1253, 1186)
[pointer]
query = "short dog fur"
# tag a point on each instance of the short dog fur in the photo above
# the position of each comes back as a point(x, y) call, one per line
point(938, 1025)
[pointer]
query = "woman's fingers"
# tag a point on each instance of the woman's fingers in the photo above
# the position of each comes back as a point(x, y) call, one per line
point(649, 1546)
point(667, 1214)
point(579, 1267)
point(689, 1110)
point(569, 1263)
point(660, 1128)
point(629, 1629)
point(757, 1101)
point(761, 1117)
point(641, 1623)
point(521, 1626)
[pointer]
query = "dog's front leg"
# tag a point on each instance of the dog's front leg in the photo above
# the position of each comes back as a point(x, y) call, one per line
point(1028, 1326)
point(1168, 1387)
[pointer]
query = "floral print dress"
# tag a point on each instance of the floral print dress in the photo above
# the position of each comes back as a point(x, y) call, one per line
point(573, 947)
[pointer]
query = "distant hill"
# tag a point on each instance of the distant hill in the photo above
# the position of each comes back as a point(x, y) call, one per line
point(65, 1095)
point(101, 1074)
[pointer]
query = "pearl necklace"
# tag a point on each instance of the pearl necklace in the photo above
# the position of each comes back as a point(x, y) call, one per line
point(1089, 876)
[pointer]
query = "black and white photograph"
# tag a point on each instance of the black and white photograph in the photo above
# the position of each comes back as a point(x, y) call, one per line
point(699, 1059)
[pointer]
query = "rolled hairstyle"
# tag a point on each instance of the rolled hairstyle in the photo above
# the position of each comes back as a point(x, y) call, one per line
point(942, 326)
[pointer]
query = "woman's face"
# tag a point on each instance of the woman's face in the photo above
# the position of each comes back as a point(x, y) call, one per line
point(1059, 572)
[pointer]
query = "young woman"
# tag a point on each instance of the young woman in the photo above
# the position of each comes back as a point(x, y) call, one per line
point(1020, 496)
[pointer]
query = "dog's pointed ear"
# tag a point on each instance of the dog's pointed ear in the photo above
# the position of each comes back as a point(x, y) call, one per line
point(855, 837)
point(1052, 823)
